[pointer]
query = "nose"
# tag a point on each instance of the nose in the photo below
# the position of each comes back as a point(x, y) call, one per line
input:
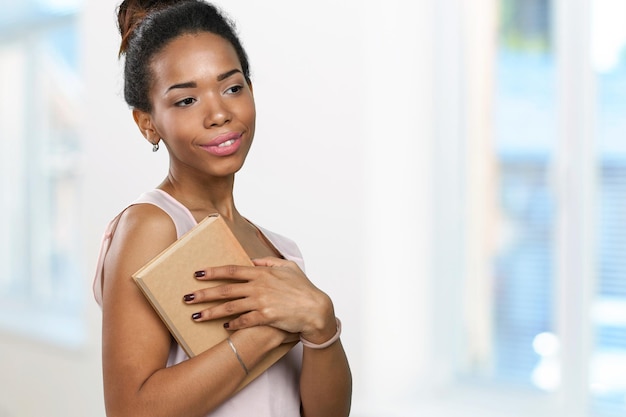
point(216, 113)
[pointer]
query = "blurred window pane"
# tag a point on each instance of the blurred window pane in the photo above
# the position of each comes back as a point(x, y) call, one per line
point(525, 137)
point(526, 348)
point(40, 288)
point(608, 362)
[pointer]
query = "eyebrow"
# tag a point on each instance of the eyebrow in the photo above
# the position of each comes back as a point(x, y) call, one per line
point(193, 84)
point(189, 84)
point(230, 73)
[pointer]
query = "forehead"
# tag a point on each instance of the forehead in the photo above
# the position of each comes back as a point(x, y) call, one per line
point(192, 57)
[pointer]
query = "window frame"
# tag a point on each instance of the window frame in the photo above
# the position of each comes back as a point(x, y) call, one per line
point(462, 161)
point(28, 316)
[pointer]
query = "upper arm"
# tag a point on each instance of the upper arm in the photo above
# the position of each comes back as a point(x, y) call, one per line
point(135, 342)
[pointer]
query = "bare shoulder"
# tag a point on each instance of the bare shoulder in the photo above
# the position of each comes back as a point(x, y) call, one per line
point(146, 220)
point(143, 231)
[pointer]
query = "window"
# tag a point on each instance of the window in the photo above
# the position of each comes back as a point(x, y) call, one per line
point(608, 359)
point(556, 214)
point(524, 142)
point(40, 288)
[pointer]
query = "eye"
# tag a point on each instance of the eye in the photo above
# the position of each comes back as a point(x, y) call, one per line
point(185, 102)
point(234, 89)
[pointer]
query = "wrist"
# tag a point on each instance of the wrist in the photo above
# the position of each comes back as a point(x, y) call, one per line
point(334, 338)
point(266, 335)
point(322, 324)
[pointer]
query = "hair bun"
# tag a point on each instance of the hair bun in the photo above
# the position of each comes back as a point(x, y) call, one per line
point(130, 13)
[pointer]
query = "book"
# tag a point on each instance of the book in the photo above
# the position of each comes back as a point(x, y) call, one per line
point(170, 275)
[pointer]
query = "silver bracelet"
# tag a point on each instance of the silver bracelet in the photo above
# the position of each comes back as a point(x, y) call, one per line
point(325, 344)
point(243, 365)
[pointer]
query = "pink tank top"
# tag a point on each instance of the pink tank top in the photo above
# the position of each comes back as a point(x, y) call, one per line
point(275, 393)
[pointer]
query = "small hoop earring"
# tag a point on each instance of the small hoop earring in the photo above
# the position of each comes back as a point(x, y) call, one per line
point(155, 147)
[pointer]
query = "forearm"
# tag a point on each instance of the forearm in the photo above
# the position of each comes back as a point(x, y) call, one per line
point(326, 382)
point(196, 386)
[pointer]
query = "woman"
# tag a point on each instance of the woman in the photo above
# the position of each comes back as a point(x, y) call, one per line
point(187, 80)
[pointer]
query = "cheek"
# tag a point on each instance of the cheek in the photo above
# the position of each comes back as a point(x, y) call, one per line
point(172, 127)
point(250, 114)
point(252, 120)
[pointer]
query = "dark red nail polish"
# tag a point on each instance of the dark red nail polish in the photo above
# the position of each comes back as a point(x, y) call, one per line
point(226, 325)
point(196, 316)
point(199, 274)
point(189, 297)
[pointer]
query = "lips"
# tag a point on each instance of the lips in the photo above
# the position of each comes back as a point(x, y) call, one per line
point(224, 145)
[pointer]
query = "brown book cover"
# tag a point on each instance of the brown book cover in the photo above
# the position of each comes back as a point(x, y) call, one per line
point(170, 275)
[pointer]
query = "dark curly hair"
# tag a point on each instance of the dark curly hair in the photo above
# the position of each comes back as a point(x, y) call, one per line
point(147, 26)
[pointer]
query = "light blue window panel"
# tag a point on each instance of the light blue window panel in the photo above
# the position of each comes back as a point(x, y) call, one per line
point(41, 293)
point(525, 344)
point(608, 361)
point(525, 137)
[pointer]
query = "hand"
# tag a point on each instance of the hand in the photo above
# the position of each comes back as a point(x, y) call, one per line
point(278, 336)
point(274, 292)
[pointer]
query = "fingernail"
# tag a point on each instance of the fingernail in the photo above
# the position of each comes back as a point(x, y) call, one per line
point(189, 297)
point(226, 325)
point(199, 274)
point(196, 316)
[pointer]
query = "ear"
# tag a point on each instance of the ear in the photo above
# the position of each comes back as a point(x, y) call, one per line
point(144, 123)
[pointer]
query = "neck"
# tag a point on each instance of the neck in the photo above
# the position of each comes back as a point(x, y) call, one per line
point(203, 198)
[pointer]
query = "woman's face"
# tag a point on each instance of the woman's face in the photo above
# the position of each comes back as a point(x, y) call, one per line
point(202, 106)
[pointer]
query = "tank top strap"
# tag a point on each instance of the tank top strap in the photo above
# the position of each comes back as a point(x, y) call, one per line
point(180, 215)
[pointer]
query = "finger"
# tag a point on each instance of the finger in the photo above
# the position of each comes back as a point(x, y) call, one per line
point(227, 309)
point(250, 319)
point(270, 261)
point(234, 272)
point(227, 291)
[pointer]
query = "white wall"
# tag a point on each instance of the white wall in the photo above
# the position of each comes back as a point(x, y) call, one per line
point(341, 163)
